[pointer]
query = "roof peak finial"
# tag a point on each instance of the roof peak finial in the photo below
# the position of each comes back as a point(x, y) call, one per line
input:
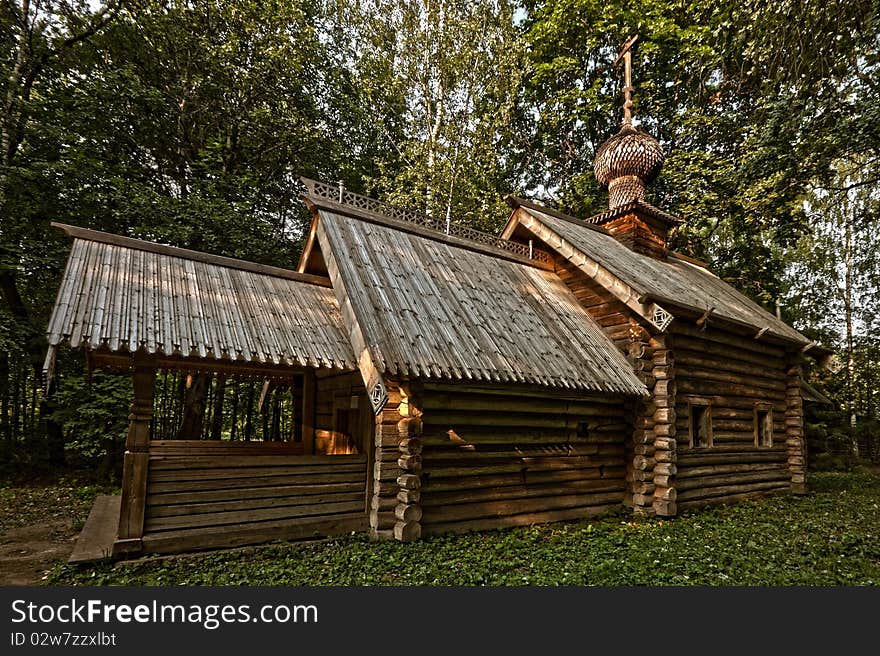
point(626, 55)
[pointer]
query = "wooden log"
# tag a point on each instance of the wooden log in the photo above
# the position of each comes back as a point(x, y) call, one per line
point(439, 499)
point(409, 513)
point(407, 531)
point(251, 515)
point(731, 498)
point(255, 482)
point(521, 478)
point(705, 482)
point(717, 470)
point(188, 463)
point(380, 503)
point(235, 494)
point(409, 496)
point(691, 458)
point(382, 520)
point(231, 474)
point(184, 540)
point(730, 490)
point(665, 508)
point(166, 510)
point(486, 509)
point(409, 482)
point(523, 519)
point(684, 332)
point(410, 463)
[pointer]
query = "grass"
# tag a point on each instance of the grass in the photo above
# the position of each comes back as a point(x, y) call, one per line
point(67, 496)
point(830, 537)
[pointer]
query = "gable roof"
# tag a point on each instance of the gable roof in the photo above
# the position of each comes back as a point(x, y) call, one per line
point(428, 308)
point(672, 282)
point(126, 295)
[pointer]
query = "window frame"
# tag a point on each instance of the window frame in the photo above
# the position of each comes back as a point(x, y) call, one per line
point(706, 404)
point(767, 410)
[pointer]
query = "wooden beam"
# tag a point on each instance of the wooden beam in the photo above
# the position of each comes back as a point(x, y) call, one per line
point(352, 316)
point(595, 271)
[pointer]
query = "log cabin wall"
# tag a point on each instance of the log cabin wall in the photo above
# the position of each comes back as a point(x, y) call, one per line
point(389, 478)
point(650, 448)
point(738, 380)
point(516, 458)
point(611, 314)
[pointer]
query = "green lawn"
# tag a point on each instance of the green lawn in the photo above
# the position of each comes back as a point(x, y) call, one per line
point(830, 537)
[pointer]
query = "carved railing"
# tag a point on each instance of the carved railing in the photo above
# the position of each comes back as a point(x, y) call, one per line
point(339, 194)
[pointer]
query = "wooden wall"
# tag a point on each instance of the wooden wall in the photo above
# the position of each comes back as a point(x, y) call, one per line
point(516, 458)
point(611, 315)
point(222, 494)
point(733, 373)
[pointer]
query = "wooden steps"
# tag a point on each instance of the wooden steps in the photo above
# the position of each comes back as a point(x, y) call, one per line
point(95, 541)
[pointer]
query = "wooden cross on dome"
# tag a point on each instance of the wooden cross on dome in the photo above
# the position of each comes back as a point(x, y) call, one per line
point(626, 55)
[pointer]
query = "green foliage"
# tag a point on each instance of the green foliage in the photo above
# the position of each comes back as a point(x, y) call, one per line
point(827, 538)
point(94, 416)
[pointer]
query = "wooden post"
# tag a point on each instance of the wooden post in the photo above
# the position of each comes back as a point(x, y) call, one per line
point(794, 429)
point(409, 510)
point(308, 413)
point(136, 463)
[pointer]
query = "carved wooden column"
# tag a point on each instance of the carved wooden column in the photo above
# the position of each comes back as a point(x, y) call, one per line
point(136, 463)
point(794, 429)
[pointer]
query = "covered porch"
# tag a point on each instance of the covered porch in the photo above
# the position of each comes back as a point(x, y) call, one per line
point(250, 421)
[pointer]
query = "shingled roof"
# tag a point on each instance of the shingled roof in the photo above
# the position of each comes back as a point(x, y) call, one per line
point(429, 308)
point(124, 295)
point(672, 282)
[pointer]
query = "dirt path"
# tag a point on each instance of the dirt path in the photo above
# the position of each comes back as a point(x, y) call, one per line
point(39, 522)
point(28, 552)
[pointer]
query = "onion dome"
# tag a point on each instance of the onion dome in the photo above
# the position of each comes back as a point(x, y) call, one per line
point(626, 163)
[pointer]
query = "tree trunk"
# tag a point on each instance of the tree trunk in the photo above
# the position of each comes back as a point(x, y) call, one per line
point(249, 415)
point(848, 316)
point(217, 412)
point(234, 428)
point(193, 409)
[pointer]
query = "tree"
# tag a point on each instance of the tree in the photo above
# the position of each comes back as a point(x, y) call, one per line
point(446, 74)
point(834, 275)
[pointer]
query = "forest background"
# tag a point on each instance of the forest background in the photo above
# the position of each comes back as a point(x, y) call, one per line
point(189, 123)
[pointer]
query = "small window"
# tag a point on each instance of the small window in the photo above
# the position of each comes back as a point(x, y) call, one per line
point(700, 424)
point(763, 426)
point(583, 430)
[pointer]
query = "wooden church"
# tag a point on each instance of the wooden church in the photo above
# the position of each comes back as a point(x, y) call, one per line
point(442, 379)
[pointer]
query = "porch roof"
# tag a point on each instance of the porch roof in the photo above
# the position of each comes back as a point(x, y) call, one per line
point(125, 295)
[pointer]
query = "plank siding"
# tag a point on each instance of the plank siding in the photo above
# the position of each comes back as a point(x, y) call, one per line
point(521, 460)
point(734, 375)
point(200, 499)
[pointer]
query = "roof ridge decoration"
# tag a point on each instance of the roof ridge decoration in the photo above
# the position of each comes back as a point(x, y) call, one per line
point(339, 195)
point(97, 236)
